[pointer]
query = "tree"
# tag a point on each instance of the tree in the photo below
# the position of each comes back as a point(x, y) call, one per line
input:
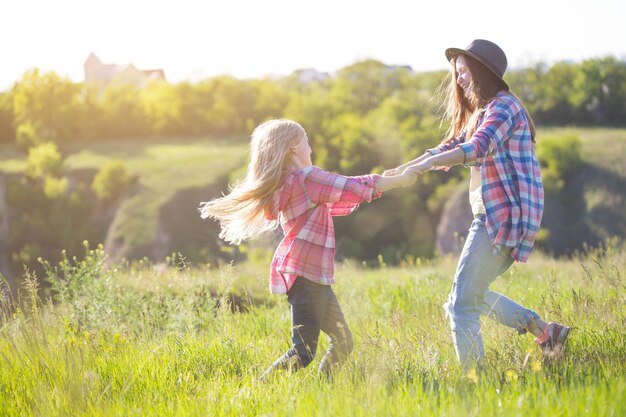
point(560, 158)
point(112, 180)
point(162, 108)
point(27, 137)
point(124, 115)
point(49, 103)
point(271, 100)
point(554, 95)
point(599, 91)
point(232, 106)
point(361, 87)
point(7, 129)
point(526, 84)
point(44, 160)
point(310, 107)
point(195, 100)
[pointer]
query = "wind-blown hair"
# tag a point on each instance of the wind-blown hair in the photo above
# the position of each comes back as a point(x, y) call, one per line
point(241, 213)
point(458, 109)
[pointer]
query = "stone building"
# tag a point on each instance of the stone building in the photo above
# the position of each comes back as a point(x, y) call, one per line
point(104, 74)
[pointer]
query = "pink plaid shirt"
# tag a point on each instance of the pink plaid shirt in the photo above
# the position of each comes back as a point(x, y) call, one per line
point(305, 203)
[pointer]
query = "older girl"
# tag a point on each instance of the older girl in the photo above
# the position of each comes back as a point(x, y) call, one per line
point(490, 131)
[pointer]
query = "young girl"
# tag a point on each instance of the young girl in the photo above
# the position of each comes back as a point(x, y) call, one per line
point(282, 185)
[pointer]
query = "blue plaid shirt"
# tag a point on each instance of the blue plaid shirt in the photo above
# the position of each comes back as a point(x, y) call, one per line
point(511, 181)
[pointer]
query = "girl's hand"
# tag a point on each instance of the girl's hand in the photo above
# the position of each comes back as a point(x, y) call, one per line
point(406, 179)
point(420, 167)
point(409, 178)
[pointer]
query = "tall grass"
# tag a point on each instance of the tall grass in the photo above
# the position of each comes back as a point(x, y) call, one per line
point(143, 339)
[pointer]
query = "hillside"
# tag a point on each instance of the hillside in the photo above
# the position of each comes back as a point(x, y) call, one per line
point(157, 215)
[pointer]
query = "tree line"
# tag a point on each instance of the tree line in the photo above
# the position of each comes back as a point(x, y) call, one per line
point(50, 107)
point(366, 117)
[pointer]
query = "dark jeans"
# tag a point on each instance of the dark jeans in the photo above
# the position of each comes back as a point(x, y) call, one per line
point(314, 308)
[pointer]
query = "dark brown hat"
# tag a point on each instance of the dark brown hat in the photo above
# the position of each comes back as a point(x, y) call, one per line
point(486, 52)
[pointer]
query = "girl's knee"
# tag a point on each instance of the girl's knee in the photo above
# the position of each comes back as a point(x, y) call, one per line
point(461, 311)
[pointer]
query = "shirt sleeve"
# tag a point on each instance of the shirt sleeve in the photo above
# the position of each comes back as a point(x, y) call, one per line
point(445, 146)
point(496, 127)
point(324, 187)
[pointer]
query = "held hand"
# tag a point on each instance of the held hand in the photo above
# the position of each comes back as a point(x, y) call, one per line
point(420, 167)
point(409, 178)
point(413, 171)
point(386, 183)
point(391, 172)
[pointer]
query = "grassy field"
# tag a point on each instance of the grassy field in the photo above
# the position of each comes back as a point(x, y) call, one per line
point(139, 340)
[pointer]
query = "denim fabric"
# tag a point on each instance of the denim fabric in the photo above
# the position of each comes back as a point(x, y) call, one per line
point(479, 265)
point(314, 308)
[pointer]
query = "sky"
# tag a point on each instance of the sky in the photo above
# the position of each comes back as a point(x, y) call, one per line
point(191, 40)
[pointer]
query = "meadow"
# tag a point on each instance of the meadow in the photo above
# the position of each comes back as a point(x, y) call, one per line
point(95, 337)
point(143, 339)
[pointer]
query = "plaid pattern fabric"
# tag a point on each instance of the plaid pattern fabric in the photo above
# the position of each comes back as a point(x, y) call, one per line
point(306, 202)
point(511, 180)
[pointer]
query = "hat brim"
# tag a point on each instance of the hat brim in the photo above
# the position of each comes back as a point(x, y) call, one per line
point(454, 52)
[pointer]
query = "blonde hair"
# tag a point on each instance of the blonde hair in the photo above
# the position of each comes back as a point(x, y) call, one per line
point(241, 213)
point(461, 111)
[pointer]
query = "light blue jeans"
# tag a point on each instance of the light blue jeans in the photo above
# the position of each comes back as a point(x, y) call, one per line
point(480, 264)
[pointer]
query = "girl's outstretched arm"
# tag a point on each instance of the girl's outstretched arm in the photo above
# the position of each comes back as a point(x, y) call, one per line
point(455, 156)
point(400, 169)
point(405, 179)
point(448, 146)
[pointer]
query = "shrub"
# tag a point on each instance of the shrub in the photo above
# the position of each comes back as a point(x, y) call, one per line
point(54, 187)
point(112, 180)
point(27, 137)
point(560, 158)
point(43, 160)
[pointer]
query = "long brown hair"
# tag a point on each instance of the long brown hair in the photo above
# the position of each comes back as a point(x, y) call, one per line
point(460, 111)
